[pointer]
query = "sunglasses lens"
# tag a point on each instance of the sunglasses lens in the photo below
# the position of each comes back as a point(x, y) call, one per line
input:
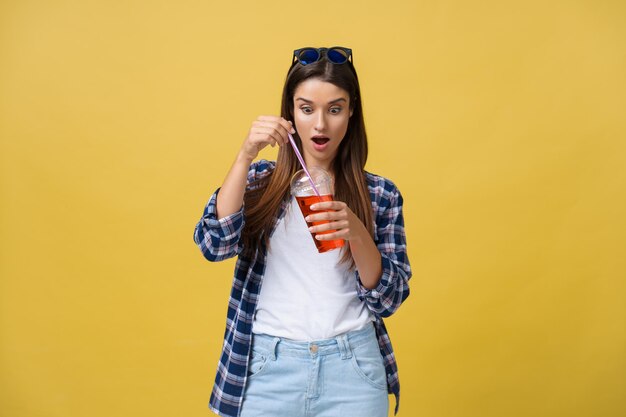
point(337, 56)
point(308, 56)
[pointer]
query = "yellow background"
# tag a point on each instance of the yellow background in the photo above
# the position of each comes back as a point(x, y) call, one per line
point(503, 123)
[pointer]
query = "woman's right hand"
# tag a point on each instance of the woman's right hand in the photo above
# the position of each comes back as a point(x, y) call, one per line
point(266, 130)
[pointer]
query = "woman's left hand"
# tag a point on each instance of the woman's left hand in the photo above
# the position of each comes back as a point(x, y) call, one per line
point(348, 226)
point(339, 217)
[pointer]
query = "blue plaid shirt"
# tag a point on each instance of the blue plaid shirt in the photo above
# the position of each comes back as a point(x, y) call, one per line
point(220, 239)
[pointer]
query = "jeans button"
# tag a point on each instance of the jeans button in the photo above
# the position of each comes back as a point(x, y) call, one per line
point(313, 349)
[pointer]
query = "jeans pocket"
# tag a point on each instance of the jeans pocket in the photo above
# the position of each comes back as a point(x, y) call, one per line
point(368, 364)
point(258, 362)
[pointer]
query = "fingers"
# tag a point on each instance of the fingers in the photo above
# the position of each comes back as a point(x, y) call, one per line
point(329, 205)
point(342, 225)
point(328, 220)
point(265, 136)
point(326, 216)
point(260, 138)
point(266, 130)
point(286, 124)
point(332, 210)
point(339, 234)
point(276, 126)
point(278, 134)
point(335, 222)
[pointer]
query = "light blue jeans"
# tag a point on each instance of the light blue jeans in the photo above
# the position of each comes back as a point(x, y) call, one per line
point(339, 377)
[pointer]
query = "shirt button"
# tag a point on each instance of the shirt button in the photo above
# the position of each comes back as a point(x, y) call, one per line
point(313, 348)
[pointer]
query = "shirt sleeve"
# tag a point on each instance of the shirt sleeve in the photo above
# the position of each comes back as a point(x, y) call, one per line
point(393, 287)
point(219, 239)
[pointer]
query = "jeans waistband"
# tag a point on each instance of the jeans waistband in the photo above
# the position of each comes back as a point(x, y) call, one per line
point(343, 343)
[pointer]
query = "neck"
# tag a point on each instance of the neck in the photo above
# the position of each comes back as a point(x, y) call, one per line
point(325, 165)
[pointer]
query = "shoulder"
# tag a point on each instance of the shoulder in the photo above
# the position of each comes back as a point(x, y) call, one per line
point(260, 169)
point(382, 189)
point(262, 165)
point(386, 201)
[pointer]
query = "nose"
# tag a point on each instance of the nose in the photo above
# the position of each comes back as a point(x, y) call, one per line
point(320, 123)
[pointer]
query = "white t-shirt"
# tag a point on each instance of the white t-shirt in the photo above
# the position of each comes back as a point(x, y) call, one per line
point(306, 295)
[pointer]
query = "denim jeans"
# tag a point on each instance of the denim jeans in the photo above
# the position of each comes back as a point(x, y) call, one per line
point(339, 377)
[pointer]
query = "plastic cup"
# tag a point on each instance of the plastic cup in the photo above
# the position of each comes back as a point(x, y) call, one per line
point(305, 195)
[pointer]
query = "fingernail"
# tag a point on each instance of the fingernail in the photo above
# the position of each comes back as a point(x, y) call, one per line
point(311, 229)
point(293, 130)
point(313, 206)
point(307, 219)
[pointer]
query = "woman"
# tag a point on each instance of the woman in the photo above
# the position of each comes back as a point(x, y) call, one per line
point(305, 332)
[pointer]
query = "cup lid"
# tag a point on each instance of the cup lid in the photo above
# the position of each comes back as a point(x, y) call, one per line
point(301, 185)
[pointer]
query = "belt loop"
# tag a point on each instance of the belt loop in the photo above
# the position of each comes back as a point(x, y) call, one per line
point(273, 349)
point(344, 346)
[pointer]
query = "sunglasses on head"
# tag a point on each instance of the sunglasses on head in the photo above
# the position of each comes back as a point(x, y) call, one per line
point(336, 55)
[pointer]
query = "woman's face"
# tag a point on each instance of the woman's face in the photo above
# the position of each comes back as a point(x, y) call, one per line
point(321, 115)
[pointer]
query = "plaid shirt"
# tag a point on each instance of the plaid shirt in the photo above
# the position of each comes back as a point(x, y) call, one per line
point(220, 239)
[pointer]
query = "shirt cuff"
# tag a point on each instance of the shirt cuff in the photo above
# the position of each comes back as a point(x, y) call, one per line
point(227, 227)
point(375, 294)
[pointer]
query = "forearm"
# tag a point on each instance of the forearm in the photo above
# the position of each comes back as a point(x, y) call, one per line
point(367, 258)
point(230, 197)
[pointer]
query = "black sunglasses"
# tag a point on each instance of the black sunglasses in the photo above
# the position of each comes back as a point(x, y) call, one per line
point(336, 55)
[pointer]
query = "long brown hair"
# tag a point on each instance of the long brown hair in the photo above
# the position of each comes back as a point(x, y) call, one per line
point(263, 200)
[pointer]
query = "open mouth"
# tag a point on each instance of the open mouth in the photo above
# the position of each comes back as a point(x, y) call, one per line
point(320, 140)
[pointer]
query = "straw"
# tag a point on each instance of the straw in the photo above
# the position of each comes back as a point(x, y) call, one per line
point(306, 171)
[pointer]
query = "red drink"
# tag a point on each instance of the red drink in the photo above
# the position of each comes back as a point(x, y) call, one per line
point(305, 206)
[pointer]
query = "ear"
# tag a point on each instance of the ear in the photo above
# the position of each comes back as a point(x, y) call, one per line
point(351, 111)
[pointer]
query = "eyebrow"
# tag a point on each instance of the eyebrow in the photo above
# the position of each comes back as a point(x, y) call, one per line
point(330, 102)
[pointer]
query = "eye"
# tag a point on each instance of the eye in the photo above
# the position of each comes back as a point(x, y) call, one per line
point(306, 109)
point(335, 110)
